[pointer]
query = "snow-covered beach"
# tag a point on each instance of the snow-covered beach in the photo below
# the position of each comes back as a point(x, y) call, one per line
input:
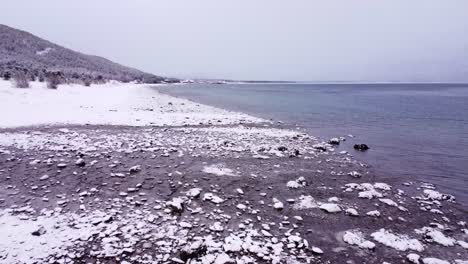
point(143, 177)
point(107, 104)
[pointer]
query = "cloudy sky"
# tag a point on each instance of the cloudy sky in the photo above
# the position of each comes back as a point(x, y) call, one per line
point(359, 40)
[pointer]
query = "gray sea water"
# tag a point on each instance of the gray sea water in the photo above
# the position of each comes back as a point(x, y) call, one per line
point(415, 131)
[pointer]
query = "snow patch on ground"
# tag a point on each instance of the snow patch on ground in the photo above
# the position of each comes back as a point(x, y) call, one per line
point(44, 51)
point(355, 237)
point(66, 234)
point(396, 241)
point(219, 170)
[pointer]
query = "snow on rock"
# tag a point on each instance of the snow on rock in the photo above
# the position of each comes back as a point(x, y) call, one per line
point(382, 186)
point(355, 237)
point(219, 170)
point(194, 192)
point(368, 190)
point(233, 243)
point(68, 234)
point(277, 204)
point(436, 236)
point(396, 241)
point(80, 162)
point(317, 250)
point(413, 258)
point(352, 212)
point(355, 174)
point(305, 202)
point(217, 227)
point(435, 195)
point(298, 183)
point(135, 169)
point(389, 202)
point(330, 208)
point(434, 261)
point(463, 244)
point(176, 204)
point(373, 213)
point(213, 198)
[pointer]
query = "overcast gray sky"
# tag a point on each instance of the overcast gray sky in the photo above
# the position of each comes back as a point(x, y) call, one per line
point(394, 40)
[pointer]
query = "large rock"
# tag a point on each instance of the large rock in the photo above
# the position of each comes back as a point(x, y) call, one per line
point(361, 147)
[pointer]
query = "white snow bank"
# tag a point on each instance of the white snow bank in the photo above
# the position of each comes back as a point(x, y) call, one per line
point(108, 104)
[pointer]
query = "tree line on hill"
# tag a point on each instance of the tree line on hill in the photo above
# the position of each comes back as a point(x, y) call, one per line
point(21, 77)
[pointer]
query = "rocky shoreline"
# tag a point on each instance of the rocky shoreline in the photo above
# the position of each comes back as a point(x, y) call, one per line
point(202, 193)
point(211, 195)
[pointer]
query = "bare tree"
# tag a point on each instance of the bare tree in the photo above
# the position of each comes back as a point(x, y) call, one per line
point(41, 77)
point(20, 79)
point(53, 79)
point(6, 76)
point(87, 82)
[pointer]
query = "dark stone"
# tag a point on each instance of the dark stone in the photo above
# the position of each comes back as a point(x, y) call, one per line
point(295, 153)
point(282, 148)
point(40, 231)
point(321, 148)
point(361, 147)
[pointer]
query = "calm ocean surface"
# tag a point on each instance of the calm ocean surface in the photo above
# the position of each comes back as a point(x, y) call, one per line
point(415, 131)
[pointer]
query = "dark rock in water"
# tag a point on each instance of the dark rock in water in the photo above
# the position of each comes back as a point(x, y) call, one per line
point(361, 147)
point(40, 231)
point(320, 147)
point(334, 141)
point(282, 148)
